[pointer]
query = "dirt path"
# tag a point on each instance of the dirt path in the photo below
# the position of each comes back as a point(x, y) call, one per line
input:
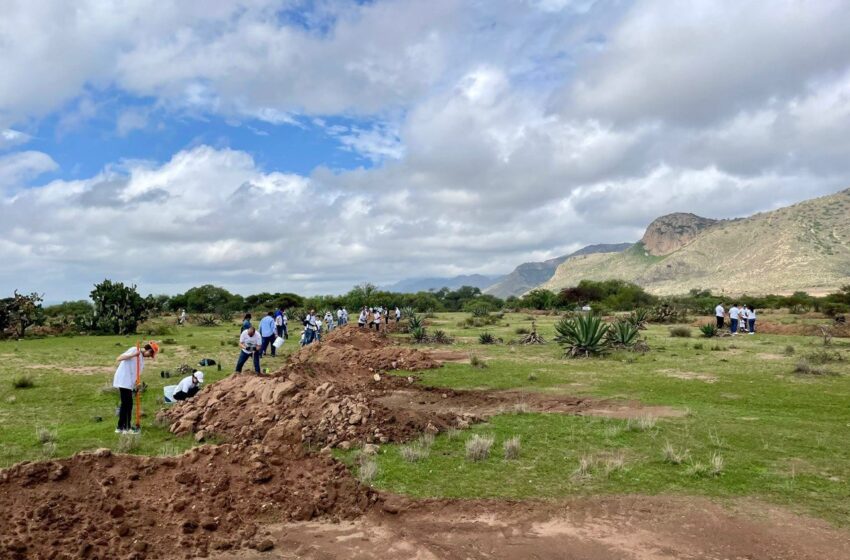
point(609, 528)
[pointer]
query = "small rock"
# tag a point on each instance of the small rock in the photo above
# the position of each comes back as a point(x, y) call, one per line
point(376, 377)
point(370, 449)
point(265, 545)
point(209, 525)
point(140, 546)
point(117, 511)
point(123, 530)
point(345, 445)
point(102, 452)
point(200, 436)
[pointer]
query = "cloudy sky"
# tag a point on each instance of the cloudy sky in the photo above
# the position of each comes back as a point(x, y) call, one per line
point(287, 145)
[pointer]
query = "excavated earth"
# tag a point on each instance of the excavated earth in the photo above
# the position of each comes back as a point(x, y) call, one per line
point(271, 489)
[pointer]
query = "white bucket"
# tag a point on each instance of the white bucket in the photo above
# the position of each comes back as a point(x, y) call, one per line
point(278, 342)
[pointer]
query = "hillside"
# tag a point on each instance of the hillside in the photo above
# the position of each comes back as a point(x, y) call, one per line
point(801, 247)
point(528, 275)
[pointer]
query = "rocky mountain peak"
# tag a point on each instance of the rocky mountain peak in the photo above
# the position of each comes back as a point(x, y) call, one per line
point(673, 231)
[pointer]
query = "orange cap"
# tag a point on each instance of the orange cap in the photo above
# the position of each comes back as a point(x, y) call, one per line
point(155, 347)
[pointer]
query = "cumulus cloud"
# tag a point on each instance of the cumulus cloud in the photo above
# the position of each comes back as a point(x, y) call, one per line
point(497, 132)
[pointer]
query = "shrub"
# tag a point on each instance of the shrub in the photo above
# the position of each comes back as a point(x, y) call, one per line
point(440, 337)
point(581, 336)
point(48, 450)
point(672, 456)
point(699, 346)
point(480, 310)
point(45, 435)
point(512, 447)
point(477, 362)
point(368, 469)
point(680, 332)
point(622, 334)
point(419, 335)
point(414, 452)
point(708, 330)
point(205, 320)
point(414, 322)
point(803, 367)
point(486, 338)
point(789, 350)
point(824, 357)
point(127, 443)
point(23, 382)
point(478, 447)
point(638, 318)
point(715, 464)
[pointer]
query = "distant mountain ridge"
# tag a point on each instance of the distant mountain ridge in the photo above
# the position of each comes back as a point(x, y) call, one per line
point(529, 275)
point(413, 285)
point(804, 247)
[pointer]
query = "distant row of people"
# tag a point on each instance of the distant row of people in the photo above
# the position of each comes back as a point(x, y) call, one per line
point(373, 315)
point(741, 319)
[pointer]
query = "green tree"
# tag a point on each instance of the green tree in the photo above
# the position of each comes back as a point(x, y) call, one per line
point(209, 299)
point(20, 312)
point(118, 309)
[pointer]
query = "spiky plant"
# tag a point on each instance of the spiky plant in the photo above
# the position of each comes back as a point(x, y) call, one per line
point(581, 336)
point(414, 322)
point(622, 334)
point(708, 330)
point(419, 335)
point(440, 337)
point(639, 318)
point(533, 337)
point(486, 338)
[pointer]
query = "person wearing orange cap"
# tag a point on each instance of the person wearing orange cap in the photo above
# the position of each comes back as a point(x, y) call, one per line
point(125, 381)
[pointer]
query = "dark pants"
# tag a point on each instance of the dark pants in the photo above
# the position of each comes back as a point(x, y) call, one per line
point(183, 395)
point(125, 413)
point(733, 328)
point(267, 341)
point(243, 357)
point(279, 330)
point(752, 325)
point(720, 322)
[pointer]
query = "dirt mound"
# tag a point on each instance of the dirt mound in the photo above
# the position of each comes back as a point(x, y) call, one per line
point(100, 505)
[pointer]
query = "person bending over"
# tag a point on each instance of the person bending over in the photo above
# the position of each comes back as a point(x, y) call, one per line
point(189, 386)
point(125, 381)
point(249, 342)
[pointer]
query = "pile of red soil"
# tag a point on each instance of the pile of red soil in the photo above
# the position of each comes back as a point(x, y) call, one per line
point(326, 395)
point(100, 505)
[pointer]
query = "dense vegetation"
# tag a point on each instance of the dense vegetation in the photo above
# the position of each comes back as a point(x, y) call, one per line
point(119, 309)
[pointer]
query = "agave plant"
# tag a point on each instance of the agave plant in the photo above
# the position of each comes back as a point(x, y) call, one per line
point(414, 322)
point(708, 330)
point(440, 337)
point(639, 318)
point(408, 312)
point(418, 334)
point(486, 338)
point(581, 336)
point(622, 334)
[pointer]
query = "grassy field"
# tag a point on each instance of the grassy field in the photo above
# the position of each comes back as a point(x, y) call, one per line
point(781, 436)
point(72, 396)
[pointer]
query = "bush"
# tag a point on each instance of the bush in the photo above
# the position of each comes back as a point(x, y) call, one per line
point(512, 448)
point(440, 337)
point(622, 334)
point(581, 336)
point(803, 367)
point(638, 318)
point(127, 443)
point(708, 330)
point(680, 332)
point(477, 362)
point(419, 335)
point(205, 320)
point(23, 382)
point(789, 350)
point(486, 338)
point(478, 447)
point(45, 435)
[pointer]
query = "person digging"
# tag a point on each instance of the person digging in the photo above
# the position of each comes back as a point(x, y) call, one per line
point(188, 386)
point(130, 366)
point(249, 342)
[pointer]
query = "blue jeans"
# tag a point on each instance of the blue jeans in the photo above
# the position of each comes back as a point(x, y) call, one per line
point(733, 327)
point(309, 334)
point(267, 341)
point(243, 357)
point(752, 325)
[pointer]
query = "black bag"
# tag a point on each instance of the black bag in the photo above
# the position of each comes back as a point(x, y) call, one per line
point(206, 362)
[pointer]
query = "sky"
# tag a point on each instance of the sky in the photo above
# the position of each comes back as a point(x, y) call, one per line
point(308, 146)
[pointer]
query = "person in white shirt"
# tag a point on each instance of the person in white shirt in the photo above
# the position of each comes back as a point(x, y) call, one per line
point(311, 326)
point(329, 320)
point(751, 319)
point(376, 319)
point(182, 319)
point(745, 315)
point(734, 316)
point(249, 342)
point(720, 314)
point(344, 316)
point(361, 321)
point(188, 386)
point(125, 381)
point(339, 317)
point(397, 314)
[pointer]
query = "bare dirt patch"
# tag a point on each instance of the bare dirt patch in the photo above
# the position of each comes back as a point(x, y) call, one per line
point(609, 528)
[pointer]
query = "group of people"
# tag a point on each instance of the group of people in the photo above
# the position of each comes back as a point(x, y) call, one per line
point(373, 315)
point(741, 319)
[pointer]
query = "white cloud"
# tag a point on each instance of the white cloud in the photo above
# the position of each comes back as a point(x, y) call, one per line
point(18, 167)
point(10, 137)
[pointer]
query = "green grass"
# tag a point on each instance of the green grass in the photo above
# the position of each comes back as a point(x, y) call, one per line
point(782, 436)
point(70, 375)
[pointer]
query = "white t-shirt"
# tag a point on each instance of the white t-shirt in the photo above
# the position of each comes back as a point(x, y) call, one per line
point(733, 312)
point(397, 313)
point(339, 313)
point(718, 311)
point(125, 374)
point(752, 314)
point(362, 317)
point(328, 317)
point(250, 341)
point(377, 316)
point(184, 385)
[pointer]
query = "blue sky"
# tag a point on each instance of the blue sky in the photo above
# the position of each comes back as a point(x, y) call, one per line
point(269, 145)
